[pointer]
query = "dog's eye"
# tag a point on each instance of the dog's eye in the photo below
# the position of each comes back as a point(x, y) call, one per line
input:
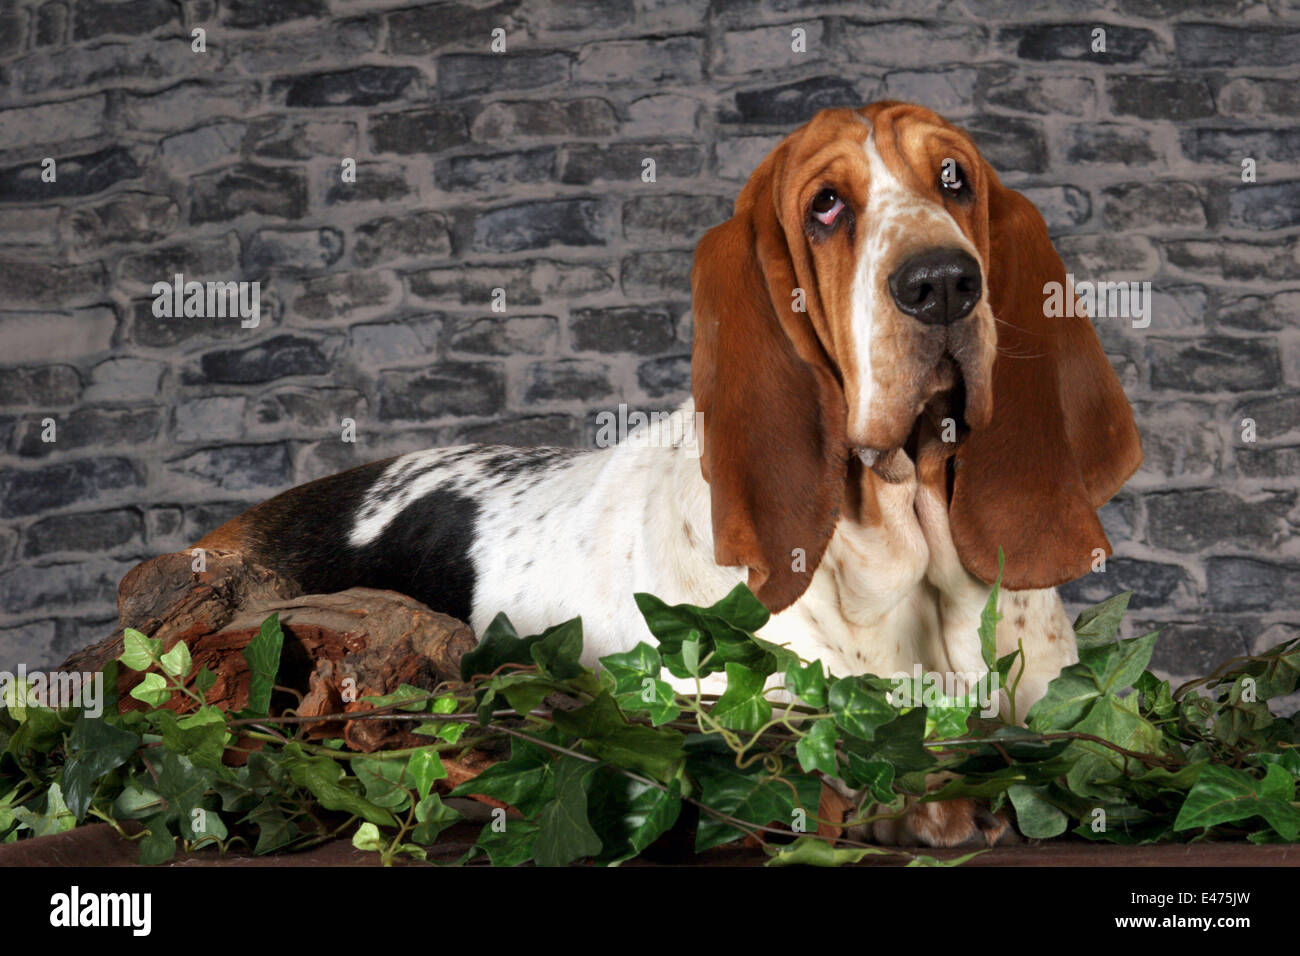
point(826, 205)
point(952, 178)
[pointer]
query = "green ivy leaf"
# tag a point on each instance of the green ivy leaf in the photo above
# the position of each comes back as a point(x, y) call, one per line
point(152, 689)
point(1097, 626)
point(630, 814)
point(751, 795)
point(176, 662)
point(139, 652)
point(263, 657)
point(814, 851)
point(324, 778)
point(526, 781)
point(1036, 816)
point(859, 709)
point(558, 649)
point(432, 817)
point(989, 617)
point(816, 748)
point(564, 833)
point(635, 676)
point(510, 845)
point(94, 748)
point(807, 682)
point(500, 644)
point(1225, 795)
point(743, 706)
point(606, 734)
point(424, 768)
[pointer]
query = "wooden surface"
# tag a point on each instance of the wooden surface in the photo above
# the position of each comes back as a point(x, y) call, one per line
point(99, 845)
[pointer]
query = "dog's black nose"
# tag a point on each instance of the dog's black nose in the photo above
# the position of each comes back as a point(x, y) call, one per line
point(938, 286)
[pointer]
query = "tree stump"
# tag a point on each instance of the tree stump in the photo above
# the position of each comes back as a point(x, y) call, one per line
point(338, 648)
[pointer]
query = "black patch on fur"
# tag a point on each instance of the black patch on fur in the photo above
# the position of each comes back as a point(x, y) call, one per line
point(423, 552)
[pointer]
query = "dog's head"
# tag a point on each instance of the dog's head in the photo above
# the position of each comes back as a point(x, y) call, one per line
point(876, 274)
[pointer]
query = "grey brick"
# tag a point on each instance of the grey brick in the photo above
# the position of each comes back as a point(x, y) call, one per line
point(469, 74)
point(237, 468)
point(249, 14)
point(895, 43)
point(1239, 584)
point(426, 29)
point(1176, 97)
point(37, 337)
point(657, 274)
point(1243, 96)
point(301, 411)
point(791, 103)
point(51, 27)
point(581, 14)
point(643, 330)
point(1233, 259)
point(666, 61)
point(85, 427)
point(496, 170)
point(277, 357)
point(70, 120)
point(1195, 520)
point(31, 643)
point(528, 431)
point(29, 226)
point(447, 388)
point(1009, 144)
point(420, 235)
point(195, 100)
point(47, 386)
point(1108, 256)
point(154, 332)
point(197, 259)
point(36, 285)
point(208, 418)
point(95, 531)
point(28, 588)
point(376, 182)
point(1205, 44)
point(625, 162)
point(347, 295)
point(1154, 585)
point(117, 63)
point(1014, 88)
point(1109, 143)
point(505, 121)
point(505, 334)
point(529, 283)
point(665, 376)
point(1268, 205)
point(1214, 364)
point(539, 225)
point(127, 217)
point(1275, 417)
point(361, 86)
point(94, 18)
point(80, 175)
point(280, 137)
point(950, 91)
point(1205, 144)
point(566, 380)
point(1061, 206)
point(767, 47)
point(428, 130)
point(1141, 206)
point(385, 344)
point(125, 379)
point(1260, 313)
point(1191, 648)
point(1271, 462)
point(204, 146)
point(35, 491)
point(301, 249)
point(330, 44)
point(673, 218)
point(229, 193)
point(1073, 41)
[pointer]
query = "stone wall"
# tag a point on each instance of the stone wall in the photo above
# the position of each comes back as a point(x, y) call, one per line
point(522, 171)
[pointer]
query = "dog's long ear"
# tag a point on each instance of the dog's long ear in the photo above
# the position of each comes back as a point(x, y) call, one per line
point(773, 447)
point(1062, 438)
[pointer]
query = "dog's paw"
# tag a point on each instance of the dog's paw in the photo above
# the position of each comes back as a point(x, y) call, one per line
point(957, 822)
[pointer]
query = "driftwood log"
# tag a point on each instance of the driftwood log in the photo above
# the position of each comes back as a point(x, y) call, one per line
point(338, 648)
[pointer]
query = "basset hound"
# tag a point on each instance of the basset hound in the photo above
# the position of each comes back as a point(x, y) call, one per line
point(882, 405)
